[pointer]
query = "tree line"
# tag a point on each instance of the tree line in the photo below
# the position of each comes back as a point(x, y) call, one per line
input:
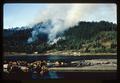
point(85, 37)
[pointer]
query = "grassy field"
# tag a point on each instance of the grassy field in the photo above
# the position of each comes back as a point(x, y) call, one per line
point(66, 53)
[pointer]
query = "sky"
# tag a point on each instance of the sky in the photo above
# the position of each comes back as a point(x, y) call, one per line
point(19, 14)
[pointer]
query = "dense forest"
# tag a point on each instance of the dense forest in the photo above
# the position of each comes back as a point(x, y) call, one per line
point(93, 37)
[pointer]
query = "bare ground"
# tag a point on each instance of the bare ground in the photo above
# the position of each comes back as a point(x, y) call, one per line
point(97, 65)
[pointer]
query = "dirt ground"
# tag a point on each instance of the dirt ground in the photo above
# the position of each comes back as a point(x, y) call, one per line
point(96, 64)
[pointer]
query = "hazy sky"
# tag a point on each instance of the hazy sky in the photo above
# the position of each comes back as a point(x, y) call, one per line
point(17, 15)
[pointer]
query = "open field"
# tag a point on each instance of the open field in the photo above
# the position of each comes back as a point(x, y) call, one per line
point(65, 53)
point(75, 53)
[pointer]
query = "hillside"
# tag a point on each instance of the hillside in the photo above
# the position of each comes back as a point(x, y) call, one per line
point(86, 37)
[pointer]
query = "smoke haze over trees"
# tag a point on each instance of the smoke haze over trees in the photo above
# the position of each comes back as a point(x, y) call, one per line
point(58, 18)
point(86, 37)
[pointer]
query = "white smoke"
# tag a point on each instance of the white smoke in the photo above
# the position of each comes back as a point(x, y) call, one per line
point(56, 40)
point(64, 16)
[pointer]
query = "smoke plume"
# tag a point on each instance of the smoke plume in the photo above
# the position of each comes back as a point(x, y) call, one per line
point(57, 18)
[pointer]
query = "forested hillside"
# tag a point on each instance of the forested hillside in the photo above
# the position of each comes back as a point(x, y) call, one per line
point(90, 37)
